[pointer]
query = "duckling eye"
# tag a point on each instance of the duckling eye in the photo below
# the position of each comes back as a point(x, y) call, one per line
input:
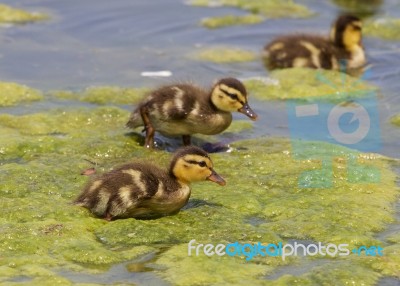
point(202, 164)
point(231, 95)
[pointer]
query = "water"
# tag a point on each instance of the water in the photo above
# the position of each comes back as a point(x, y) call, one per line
point(89, 43)
point(130, 273)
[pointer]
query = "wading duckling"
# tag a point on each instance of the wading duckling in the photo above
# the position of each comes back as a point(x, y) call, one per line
point(342, 50)
point(185, 109)
point(141, 190)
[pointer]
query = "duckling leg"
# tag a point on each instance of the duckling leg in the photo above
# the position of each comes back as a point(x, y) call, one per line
point(108, 216)
point(186, 140)
point(149, 141)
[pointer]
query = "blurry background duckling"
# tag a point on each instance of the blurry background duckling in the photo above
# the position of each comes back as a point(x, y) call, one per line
point(343, 50)
point(142, 190)
point(186, 109)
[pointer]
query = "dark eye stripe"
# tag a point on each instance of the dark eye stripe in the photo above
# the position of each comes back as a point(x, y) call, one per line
point(231, 95)
point(201, 163)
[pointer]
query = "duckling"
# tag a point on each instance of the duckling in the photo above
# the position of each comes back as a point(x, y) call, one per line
point(343, 47)
point(185, 109)
point(142, 190)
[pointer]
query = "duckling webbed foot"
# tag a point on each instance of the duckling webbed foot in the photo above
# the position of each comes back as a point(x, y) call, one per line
point(187, 140)
point(148, 127)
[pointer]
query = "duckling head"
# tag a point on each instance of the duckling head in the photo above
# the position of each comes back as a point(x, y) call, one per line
point(346, 32)
point(229, 94)
point(192, 164)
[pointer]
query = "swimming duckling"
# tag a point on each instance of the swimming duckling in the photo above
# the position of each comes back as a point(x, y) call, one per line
point(185, 109)
point(142, 190)
point(344, 47)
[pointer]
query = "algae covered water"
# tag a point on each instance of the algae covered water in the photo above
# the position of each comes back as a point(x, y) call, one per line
point(71, 72)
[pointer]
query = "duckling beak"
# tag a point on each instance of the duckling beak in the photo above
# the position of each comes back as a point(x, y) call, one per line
point(246, 110)
point(214, 177)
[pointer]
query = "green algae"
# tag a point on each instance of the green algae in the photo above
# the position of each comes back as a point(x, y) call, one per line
point(336, 273)
point(65, 122)
point(18, 16)
point(89, 252)
point(208, 222)
point(231, 20)
point(12, 94)
point(42, 155)
point(364, 8)
point(386, 28)
point(389, 264)
point(291, 218)
point(395, 120)
point(40, 226)
point(308, 84)
point(104, 95)
point(224, 55)
point(54, 132)
point(331, 215)
point(395, 238)
point(268, 8)
point(222, 212)
point(214, 271)
point(343, 274)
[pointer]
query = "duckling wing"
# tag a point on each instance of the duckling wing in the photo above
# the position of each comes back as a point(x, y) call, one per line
point(173, 102)
point(301, 51)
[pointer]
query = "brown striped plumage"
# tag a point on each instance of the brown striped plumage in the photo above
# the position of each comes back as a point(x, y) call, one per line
point(185, 109)
point(141, 190)
point(342, 50)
